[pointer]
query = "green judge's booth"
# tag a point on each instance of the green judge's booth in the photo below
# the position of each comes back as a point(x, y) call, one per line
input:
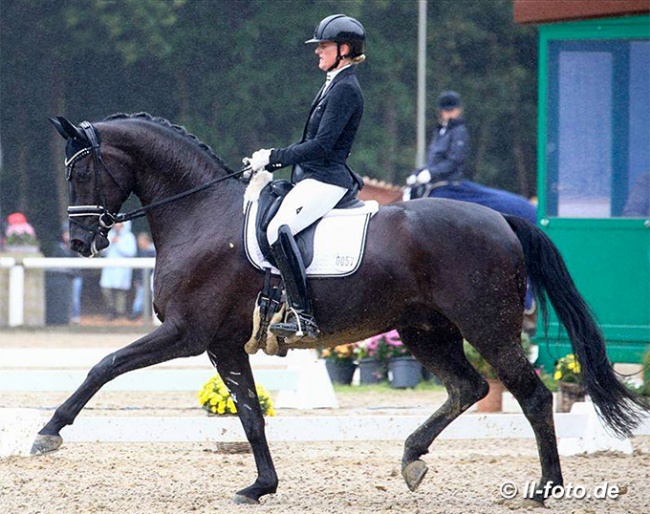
point(594, 169)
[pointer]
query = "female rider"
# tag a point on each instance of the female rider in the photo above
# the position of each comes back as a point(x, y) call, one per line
point(320, 173)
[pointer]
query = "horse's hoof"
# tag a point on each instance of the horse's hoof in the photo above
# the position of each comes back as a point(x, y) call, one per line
point(413, 474)
point(245, 500)
point(45, 443)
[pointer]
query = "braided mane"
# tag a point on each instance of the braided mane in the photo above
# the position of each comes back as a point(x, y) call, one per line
point(182, 131)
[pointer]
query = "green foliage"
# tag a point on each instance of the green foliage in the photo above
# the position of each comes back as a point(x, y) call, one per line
point(237, 74)
point(482, 366)
point(477, 360)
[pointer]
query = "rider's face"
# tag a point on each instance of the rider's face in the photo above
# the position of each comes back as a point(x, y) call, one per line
point(450, 114)
point(326, 51)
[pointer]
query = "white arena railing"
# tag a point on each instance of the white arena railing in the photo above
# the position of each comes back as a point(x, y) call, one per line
point(17, 269)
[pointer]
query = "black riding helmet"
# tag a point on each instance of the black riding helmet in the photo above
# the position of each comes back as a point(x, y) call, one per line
point(449, 100)
point(340, 28)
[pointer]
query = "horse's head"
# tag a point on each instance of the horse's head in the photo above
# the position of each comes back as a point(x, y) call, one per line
point(96, 189)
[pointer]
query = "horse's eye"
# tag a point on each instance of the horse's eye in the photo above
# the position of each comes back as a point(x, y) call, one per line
point(82, 174)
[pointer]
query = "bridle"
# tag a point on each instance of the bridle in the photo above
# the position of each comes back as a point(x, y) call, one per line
point(106, 218)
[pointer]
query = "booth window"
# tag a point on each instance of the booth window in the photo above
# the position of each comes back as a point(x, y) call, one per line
point(598, 136)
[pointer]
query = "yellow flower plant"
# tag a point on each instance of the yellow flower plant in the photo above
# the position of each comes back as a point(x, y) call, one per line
point(215, 398)
point(568, 370)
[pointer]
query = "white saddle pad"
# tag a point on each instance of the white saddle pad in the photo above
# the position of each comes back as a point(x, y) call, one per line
point(339, 241)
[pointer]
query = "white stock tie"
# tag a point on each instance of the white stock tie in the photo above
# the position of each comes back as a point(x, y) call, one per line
point(328, 81)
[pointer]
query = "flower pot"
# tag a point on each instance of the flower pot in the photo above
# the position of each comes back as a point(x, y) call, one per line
point(493, 402)
point(427, 376)
point(340, 372)
point(568, 394)
point(371, 371)
point(404, 372)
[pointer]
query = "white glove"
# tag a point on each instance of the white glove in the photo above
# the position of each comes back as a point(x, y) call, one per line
point(248, 172)
point(260, 159)
point(411, 180)
point(424, 177)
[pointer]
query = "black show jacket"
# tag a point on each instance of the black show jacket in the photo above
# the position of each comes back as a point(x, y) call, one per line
point(328, 135)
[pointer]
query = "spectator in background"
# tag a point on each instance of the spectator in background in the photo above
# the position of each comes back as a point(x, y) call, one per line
point(145, 249)
point(116, 282)
point(62, 249)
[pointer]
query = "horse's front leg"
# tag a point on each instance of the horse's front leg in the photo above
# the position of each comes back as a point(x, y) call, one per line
point(165, 343)
point(235, 370)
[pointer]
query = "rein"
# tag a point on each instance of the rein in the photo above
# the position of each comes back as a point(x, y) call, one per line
point(106, 218)
point(142, 211)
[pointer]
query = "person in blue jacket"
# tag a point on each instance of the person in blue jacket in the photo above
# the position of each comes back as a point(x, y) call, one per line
point(320, 173)
point(445, 174)
point(449, 147)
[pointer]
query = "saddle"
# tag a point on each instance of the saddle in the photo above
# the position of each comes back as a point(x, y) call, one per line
point(269, 203)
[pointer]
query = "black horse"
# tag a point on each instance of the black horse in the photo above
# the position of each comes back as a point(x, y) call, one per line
point(437, 270)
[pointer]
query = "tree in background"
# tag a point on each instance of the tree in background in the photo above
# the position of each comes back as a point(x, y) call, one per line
point(237, 74)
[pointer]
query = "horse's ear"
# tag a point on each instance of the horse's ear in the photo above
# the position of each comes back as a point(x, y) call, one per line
point(66, 129)
point(58, 127)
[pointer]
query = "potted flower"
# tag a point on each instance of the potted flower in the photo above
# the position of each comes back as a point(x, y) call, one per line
point(214, 397)
point(570, 385)
point(19, 234)
point(341, 362)
point(403, 369)
point(373, 359)
point(493, 401)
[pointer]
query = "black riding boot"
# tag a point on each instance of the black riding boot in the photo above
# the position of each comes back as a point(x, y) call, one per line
point(300, 323)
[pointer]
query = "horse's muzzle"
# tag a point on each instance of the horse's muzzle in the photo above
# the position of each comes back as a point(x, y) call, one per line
point(89, 247)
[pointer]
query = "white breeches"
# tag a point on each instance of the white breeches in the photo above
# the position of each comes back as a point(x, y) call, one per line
point(308, 201)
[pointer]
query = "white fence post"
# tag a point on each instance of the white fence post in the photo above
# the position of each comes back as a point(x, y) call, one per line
point(16, 296)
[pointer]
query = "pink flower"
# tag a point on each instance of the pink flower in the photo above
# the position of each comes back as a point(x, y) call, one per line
point(21, 229)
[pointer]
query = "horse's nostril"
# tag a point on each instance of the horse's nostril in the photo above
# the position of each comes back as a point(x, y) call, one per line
point(76, 245)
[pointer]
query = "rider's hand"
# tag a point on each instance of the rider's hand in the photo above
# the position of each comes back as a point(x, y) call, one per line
point(260, 159)
point(248, 172)
point(411, 179)
point(424, 177)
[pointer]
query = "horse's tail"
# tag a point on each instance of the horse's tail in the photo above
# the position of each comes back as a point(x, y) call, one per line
point(620, 408)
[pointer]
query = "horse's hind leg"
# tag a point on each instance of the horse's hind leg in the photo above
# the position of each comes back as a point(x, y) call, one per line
point(441, 351)
point(518, 375)
point(163, 344)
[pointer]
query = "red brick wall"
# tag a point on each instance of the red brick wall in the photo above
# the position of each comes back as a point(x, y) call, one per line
point(545, 11)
